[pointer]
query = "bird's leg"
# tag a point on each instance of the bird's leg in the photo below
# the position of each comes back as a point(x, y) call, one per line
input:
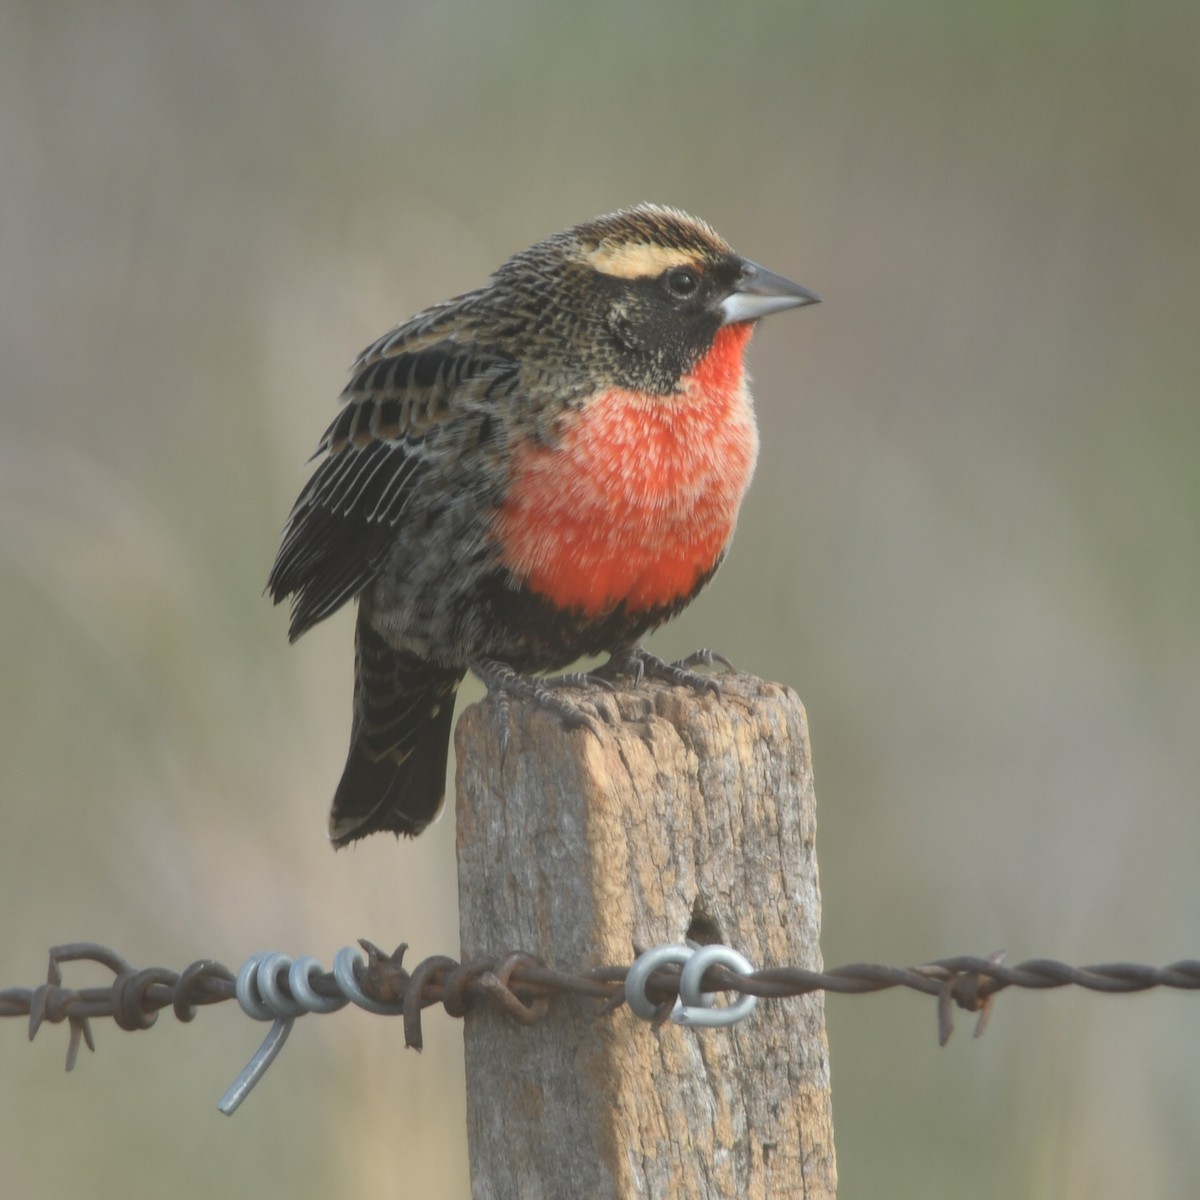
point(637, 663)
point(504, 683)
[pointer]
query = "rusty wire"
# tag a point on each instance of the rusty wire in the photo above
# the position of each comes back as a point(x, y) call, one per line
point(522, 987)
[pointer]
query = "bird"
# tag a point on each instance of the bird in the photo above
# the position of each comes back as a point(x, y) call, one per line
point(545, 468)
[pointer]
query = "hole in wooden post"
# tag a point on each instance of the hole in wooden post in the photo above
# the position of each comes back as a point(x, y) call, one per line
point(703, 927)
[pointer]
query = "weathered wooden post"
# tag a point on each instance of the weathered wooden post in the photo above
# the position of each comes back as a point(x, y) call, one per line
point(689, 808)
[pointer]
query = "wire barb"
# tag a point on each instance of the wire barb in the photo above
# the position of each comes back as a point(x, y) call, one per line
point(671, 982)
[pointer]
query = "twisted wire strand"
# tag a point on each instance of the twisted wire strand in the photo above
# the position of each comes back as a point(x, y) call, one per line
point(274, 987)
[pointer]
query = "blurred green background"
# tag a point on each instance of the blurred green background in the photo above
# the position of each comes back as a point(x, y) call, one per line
point(971, 545)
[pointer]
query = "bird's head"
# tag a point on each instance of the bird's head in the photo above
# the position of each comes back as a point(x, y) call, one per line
point(653, 287)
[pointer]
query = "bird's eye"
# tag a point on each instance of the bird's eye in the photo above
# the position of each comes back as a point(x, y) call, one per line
point(682, 283)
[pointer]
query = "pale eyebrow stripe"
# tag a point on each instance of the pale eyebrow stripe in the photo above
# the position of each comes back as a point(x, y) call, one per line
point(637, 261)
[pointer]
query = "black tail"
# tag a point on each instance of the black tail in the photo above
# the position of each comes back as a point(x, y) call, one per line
point(395, 775)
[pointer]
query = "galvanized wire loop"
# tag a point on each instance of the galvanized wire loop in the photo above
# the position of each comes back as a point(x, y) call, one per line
point(699, 1007)
point(260, 989)
point(300, 982)
point(259, 994)
point(692, 1007)
point(644, 966)
point(256, 989)
point(639, 974)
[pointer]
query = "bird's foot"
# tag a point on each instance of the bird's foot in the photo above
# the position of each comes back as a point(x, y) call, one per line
point(637, 663)
point(503, 682)
point(632, 663)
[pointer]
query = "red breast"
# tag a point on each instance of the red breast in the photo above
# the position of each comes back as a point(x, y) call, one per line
point(639, 498)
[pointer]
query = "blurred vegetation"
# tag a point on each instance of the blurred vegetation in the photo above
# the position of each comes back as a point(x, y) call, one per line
point(971, 545)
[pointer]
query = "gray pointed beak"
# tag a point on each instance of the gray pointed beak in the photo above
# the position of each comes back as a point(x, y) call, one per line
point(760, 292)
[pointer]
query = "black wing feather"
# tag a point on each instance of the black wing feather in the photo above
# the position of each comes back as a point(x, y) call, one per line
point(344, 521)
point(333, 545)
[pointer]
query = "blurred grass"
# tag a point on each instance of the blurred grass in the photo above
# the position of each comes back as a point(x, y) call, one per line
point(971, 544)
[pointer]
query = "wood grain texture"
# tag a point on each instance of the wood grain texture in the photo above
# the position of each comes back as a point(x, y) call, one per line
point(576, 848)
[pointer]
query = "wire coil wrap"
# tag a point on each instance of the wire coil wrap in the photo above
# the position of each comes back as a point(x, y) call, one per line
point(692, 1007)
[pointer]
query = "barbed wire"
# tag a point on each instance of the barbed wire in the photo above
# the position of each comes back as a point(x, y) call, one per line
point(274, 987)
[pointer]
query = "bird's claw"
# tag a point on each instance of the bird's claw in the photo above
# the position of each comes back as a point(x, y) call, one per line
point(704, 657)
point(503, 682)
point(636, 663)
